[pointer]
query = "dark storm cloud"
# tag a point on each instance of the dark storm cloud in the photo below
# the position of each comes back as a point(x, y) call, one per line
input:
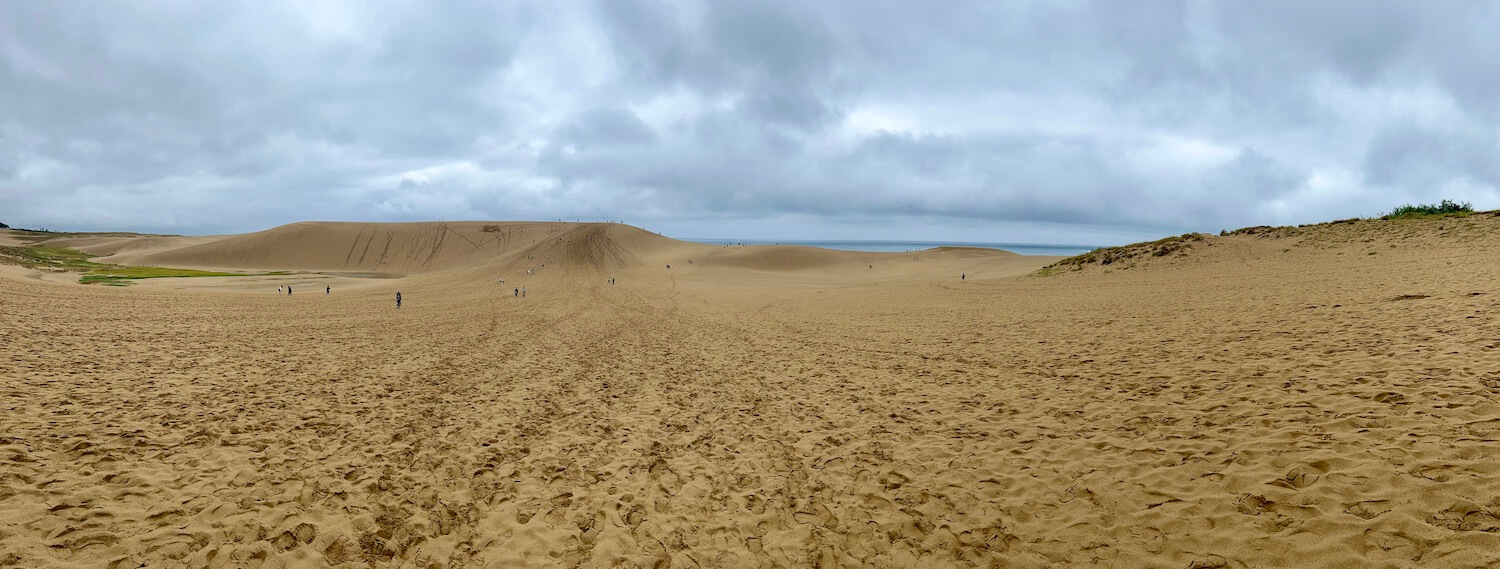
point(1131, 118)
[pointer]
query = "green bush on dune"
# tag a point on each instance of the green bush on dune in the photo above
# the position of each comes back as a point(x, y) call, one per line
point(1446, 207)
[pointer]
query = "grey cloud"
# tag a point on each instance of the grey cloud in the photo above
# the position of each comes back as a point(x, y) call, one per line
point(1411, 156)
point(1000, 178)
point(719, 46)
point(607, 126)
point(1156, 117)
point(800, 110)
point(1359, 40)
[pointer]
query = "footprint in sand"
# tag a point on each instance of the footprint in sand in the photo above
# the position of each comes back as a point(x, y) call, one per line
point(1368, 509)
point(1397, 544)
point(1297, 479)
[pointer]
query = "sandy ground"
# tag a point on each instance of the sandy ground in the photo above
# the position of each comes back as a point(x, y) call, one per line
point(1325, 399)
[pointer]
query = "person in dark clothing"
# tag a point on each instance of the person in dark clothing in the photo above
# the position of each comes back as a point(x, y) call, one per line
point(328, 290)
point(516, 292)
point(398, 299)
point(963, 276)
point(288, 291)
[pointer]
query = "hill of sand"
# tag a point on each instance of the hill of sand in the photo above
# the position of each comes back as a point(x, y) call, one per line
point(1322, 396)
point(402, 248)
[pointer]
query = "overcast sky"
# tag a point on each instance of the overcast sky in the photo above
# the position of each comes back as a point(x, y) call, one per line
point(1056, 121)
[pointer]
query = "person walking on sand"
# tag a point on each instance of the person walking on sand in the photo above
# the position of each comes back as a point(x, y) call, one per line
point(516, 292)
point(328, 290)
point(398, 300)
point(278, 289)
point(288, 290)
point(963, 276)
point(523, 291)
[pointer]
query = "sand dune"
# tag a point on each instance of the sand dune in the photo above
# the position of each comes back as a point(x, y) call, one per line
point(397, 249)
point(114, 247)
point(376, 247)
point(1307, 397)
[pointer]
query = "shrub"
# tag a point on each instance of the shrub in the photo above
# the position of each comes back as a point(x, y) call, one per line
point(1446, 207)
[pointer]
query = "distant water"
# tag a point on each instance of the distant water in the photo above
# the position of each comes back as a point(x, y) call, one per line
point(900, 246)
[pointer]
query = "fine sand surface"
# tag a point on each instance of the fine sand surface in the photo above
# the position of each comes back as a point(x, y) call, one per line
point(1323, 397)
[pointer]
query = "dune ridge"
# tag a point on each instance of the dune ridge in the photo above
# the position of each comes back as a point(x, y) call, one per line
point(1266, 243)
point(375, 247)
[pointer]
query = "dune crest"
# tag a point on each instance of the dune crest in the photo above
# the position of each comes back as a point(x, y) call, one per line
point(1288, 244)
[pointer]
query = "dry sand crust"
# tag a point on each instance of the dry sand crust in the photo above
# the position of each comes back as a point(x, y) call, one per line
point(1324, 397)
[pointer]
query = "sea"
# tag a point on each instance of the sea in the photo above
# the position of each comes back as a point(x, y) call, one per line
point(902, 246)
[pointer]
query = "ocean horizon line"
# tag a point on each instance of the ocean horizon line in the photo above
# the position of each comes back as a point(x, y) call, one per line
point(900, 246)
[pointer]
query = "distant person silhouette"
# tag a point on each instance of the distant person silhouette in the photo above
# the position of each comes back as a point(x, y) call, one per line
point(963, 276)
point(398, 299)
point(328, 290)
point(516, 292)
point(278, 289)
point(288, 291)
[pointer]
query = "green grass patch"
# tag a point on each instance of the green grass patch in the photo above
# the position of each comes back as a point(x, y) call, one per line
point(63, 259)
point(43, 257)
point(1444, 208)
point(115, 274)
point(1053, 270)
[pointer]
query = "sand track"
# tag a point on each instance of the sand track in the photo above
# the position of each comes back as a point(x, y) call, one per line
point(1229, 412)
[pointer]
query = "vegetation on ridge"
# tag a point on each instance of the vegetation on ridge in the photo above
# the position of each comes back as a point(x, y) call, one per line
point(1446, 207)
point(1125, 256)
point(1111, 255)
